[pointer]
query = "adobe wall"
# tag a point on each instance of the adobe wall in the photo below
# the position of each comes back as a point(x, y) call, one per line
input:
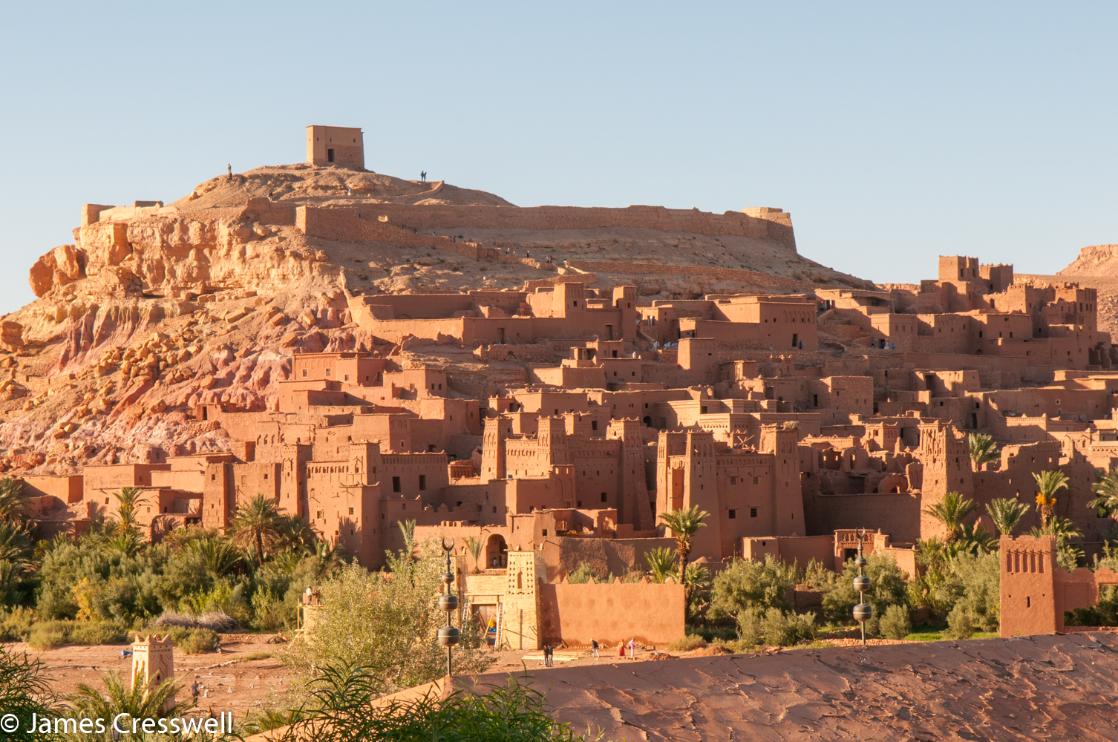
point(898, 515)
point(343, 224)
point(798, 550)
point(612, 612)
point(68, 489)
point(562, 555)
point(548, 218)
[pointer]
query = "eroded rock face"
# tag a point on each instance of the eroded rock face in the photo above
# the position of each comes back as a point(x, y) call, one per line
point(62, 265)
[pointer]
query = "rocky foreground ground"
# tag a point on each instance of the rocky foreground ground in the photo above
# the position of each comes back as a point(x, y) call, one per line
point(1037, 688)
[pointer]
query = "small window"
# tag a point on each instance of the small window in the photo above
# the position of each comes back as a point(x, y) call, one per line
point(733, 514)
point(422, 482)
point(603, 497)
point(395, 484)
point(753, 512)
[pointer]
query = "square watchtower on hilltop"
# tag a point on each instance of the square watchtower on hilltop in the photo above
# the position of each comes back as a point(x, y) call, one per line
point(335, 145)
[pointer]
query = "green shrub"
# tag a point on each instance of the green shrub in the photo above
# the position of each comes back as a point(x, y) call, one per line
point(961, 622)
point(585, 573)
point(751, 625)
point(196, 640)
point(775, 627)
point(748, 584)
point(15, 623)
point(48, 634)
point(688, 643)
point(895, 622)
point(385, 621)
point(888, 586)
point(505, 712)
point(269, 611)
point(90, 633)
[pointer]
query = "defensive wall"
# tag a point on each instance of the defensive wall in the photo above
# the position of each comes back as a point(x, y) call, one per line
point(612, 612)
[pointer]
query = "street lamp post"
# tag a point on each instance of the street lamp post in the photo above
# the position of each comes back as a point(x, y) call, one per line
point(448, 635)
point(863, 611)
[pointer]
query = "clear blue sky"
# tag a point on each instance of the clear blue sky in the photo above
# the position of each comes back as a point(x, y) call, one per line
point(892, 134)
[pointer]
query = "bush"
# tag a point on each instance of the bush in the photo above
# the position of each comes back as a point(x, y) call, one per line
point(48, 635)
point(751, 625)
point(585, 573)
point(775, 627)
point(15, 623)
point(384, 622)
point(972, 582)
point(895, 622)
point(748, 584)
point(195, 641)
point(961, 622)
point(51, 634)
point(887, 587)
point(507, 712)
point(688, 643)
point(214, 621)
point(90, 633)
point(269, 611)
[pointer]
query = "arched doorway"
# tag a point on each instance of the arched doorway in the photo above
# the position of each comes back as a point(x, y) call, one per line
point(496, 552)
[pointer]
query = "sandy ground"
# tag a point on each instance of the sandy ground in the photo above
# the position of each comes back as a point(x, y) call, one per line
point(1036, 688)
point(246, 675)
point(1051, 688)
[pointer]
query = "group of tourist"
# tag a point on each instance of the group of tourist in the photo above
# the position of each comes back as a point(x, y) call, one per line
point(624, 649)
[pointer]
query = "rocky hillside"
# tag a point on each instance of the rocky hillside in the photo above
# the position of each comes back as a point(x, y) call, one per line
point(155, 309)
point(1096, 266)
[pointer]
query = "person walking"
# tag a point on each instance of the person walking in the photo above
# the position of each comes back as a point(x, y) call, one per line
point(594, 648)
point(632, 649)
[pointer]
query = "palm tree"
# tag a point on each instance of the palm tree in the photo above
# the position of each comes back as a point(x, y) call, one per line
point(257, 524)
point(973, 540)
point(1106, 493)
point(296, 533)
point(983, 450)
point(11, 505)
point(684, 524)
point(218, 556)
point(127, 499)
point(696, 588)
point(1048, 485)
point(25, 690)
point(951, 512)
point(473, 548)
point(1006, 513)
point(661, 563)
point(1068, 555)
point(407, 533)
point(15, 544)
point(1062, 528)
point(137, 701)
